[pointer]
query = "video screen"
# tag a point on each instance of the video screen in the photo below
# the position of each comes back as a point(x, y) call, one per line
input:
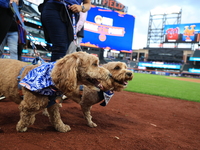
point(108, 29)
point(182, 33)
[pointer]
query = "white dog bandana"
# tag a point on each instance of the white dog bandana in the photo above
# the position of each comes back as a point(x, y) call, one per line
point(107, 97)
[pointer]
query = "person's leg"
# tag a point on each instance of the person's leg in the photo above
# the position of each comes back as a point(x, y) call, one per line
point(1, 54)
point(57, 30)
point(2, 46)
point(12, 41)
point(6, 18)
point(19, 51)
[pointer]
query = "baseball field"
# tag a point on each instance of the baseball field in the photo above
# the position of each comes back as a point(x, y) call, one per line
point(153, 113)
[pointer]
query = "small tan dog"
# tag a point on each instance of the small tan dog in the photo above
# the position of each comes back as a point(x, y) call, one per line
point(87, 97)
point(65, 75)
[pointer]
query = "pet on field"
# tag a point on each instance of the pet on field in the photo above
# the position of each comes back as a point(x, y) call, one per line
point(87, 97)
point(40, 85)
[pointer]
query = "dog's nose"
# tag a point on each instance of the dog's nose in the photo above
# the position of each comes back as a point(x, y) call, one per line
point(129, 74)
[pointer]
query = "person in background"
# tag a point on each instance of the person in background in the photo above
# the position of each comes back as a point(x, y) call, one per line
point(19, 51)
point(11, 39)
point(21, 40)
point(57, 23)
point(6, 17)
point(80, 33)
point(9, 28)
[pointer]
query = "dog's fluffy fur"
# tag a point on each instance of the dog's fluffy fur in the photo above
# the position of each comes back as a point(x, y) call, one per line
point(68, 72)
point(120, 77)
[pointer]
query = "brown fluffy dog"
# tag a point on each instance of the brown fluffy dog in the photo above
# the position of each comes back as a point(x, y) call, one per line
point(67, 73)
point(120, 77)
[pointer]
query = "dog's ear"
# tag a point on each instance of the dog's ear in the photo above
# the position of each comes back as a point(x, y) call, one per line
point(64, 74)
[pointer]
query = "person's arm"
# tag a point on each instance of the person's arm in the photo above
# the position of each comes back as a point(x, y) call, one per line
point(81, 8)
point(87, 5)
point(16, 1)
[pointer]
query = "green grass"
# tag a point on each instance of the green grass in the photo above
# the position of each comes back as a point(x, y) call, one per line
point(162, 86)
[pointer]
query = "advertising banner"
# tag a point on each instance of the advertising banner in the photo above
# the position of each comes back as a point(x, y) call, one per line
point(159, 65)
point(110, 4)
point(194, 59)
point(182, 33)
point(194, 70)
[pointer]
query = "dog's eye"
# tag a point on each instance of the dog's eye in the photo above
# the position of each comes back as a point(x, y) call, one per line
point(117, 68)
point(95, 64)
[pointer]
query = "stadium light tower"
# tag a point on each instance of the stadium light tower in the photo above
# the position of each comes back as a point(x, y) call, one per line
point(158, 18)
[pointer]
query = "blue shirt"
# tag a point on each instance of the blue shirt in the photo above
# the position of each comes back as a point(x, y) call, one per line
point(71, 2)
point(4, 3)
point(74, 1)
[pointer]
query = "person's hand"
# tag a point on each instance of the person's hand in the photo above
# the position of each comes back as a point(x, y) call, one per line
point(75, 8)
point(16, 1)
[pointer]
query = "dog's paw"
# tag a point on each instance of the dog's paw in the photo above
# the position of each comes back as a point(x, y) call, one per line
point(63, 128)
point(20, 129)
point(45, 112)
point(92, 125)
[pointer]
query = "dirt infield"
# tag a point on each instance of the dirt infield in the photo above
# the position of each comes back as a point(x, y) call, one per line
point(131, 121)
point(185, 79)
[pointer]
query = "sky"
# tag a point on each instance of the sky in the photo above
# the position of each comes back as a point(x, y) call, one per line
point(141, 10)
